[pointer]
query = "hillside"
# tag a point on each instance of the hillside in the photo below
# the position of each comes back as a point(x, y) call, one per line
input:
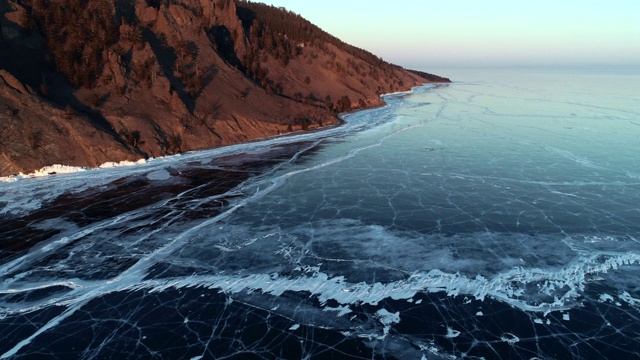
point(85, 82)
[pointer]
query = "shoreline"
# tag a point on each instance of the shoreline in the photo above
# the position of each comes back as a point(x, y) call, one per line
point(62, 169)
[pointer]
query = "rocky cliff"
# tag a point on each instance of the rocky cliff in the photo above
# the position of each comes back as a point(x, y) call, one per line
point(86, 82)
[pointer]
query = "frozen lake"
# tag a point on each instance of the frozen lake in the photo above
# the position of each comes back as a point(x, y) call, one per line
point(495, 217)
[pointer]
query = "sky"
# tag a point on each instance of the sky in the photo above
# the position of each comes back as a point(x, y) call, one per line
point(428, 33)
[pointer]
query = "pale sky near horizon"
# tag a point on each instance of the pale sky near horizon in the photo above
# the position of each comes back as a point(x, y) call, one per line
point(427, 33)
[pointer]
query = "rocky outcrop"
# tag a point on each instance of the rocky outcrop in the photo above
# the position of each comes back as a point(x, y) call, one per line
point(85, 82)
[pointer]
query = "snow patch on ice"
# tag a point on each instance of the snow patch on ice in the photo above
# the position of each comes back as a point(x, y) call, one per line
point(509, 338)
point(57, 169)
point(451, 333)
point(626, 297)
point(111, 164)
point(67, 169)
point(45, 171)
point(16, 207)
point(605, 298)
point(388, 318)
point(341, 310)
point(159, 175)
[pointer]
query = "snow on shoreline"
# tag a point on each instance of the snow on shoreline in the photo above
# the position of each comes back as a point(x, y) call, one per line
point(66, 169)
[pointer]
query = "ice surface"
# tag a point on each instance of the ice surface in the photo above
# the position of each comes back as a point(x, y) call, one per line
point(479, 220)
point(159, 175)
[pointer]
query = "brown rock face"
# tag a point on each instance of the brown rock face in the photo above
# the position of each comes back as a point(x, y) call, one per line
point(85, 82)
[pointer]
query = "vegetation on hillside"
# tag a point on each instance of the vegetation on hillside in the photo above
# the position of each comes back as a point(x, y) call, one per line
point(81, 35)
point(155, 77)
point(77, 33)
point(285, 35)
point(286, 31)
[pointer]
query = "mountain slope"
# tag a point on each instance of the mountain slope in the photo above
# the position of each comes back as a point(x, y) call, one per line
point(85, 82)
